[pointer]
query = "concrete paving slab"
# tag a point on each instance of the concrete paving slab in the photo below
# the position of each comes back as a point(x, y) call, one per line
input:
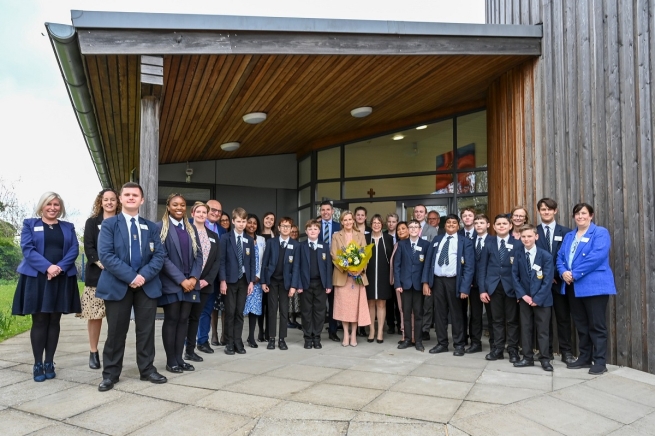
point(561, 383)
point(395, 429)
point(364, 379)
point(252, 406)
point(303, 411)
point(497, 394)
point(470, 408)
point(210, 379)
point(125, 384)
point(625, 388)
point(246, 429)
point(604, 404)
point(255, 367)
point(408, 355)
point(70, 402)
point(6, 364)
point(386, 366)
point(633, 374)
point(304, 372)
point(420, 407)
point(447, 359)
point(502, 423)
point(274, 427)
point(380, 417)
point(176, 393)
point(29, 390)
point(327, 361)
point(505, 366)
point(643, 426)
point(348, 397)
point(17, 423)
point(11, 376)
point(184, 420)
point(454, 373)
point(502, 378)
point(433, 387)
point(363, 349)
point(127, 414)
point(60, 429)
point(454, 431)
point(270, 387)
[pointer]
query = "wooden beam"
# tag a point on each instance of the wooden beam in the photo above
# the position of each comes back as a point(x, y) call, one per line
point(168, 42)
point(149, 155)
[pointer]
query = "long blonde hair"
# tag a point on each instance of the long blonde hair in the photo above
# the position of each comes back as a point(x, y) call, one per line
point(187, 225)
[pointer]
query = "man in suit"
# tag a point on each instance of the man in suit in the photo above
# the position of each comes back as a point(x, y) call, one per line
point(328, 227)
point(533, 272)
point(433, 220)
point(427, 233)
point(447, 276)
point(408, 265)
point(550, 239)
point(313, 280)
point(482, 238)
point(393, 310)
point(236, 274)
point(130, 250)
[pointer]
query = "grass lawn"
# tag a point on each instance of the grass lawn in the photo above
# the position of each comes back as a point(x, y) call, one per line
point(13, 325)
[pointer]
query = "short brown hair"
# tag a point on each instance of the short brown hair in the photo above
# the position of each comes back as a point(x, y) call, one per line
point(285, 219)
point(239, 212)
point(313, 222)
point(468, 209)
point(548, 202)
point(132, 185)
point(481, 216)
point(526, 227)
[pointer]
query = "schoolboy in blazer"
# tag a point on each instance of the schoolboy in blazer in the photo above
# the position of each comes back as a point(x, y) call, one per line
point(447, 277)
point(482, 238)
point(236, 273)
point(408, 264)
point(467, 216)
point(313, 281)
point(278, 269)
point(551, 235)
point(127, 283)
point(497, 288)
point(533, 275)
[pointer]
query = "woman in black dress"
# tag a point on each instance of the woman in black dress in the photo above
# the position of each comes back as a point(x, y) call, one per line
point(379, 289)
point(47, 286)
point(93, 309)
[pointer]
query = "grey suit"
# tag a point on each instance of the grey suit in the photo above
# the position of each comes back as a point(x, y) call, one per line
point(428, 233)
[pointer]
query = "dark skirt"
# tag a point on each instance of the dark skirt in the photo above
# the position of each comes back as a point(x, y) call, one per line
point(191, 297)
point(219, 302)
point(38, 294)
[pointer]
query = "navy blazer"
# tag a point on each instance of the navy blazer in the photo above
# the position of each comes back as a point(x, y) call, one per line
point(301, 278)
point(560, 232)
point(210, 271)
point(465, 263)
point(228, 267)
point(172, 275)
point(487, 240)
point(490, 271)
point(335, 228)
point(114, 253)
point(408, 266)
point(32, 243)
point(289, 267)
point(537, 288)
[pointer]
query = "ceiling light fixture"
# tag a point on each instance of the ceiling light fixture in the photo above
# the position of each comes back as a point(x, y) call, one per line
point(254, 117)
point(230, 146)
point(398, 137)
point(361, 112)
point(421, 127)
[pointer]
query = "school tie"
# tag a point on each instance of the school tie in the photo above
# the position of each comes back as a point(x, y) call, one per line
point(135, 247)
point(468, 235)
point(326, 232)
point(443, 257)
point(550, 246)
point(478, 248)
point(240, 256)
point(502, 252)
point(180, 226)
point(284, 245)
point(311, 244)
point(527, 259)
point(413, 247)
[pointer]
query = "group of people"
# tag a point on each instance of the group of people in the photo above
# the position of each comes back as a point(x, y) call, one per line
point(209, 263)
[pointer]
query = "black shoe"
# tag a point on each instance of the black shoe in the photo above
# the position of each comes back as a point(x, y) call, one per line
point(176, 369)
point(597, 369)
point(380, 341)
point(252, 343)
point(391, 331)
point(192, 356)
point(105, 385)
point(578, 365)
point(361, 332)
point(496, 354)
point(317, 344)
point(239, 348)
point(568, 358)
point(291, 325)
point(94, 360)
point(459, 351)
point(545, 365)
point(271, 344)
point(474, 348)
point(525, 362)
point(205, 348)
point(308, 344)
point(404, 344)
point(187, 367)
point(229, 350)
point(369, 340)
point(438, 349)
point(215, 343)
point(260, 337)
point(419, 347)
point(425, 336)
point(282, 345)
point(154, 377)
point(513, 356)
point(334, 337)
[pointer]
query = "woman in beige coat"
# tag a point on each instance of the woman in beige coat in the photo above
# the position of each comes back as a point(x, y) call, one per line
point(350, 306)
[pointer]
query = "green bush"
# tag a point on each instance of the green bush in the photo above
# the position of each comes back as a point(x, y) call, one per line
point(10, 257)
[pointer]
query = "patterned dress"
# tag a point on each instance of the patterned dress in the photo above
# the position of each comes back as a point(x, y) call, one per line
point(254, 300)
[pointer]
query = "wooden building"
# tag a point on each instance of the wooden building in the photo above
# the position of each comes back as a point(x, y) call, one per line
point(490, 115)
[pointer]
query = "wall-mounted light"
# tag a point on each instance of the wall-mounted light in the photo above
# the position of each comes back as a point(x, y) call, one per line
point(254, 117)
point(230, 146)
point(189, 173)
point(361, 112)
point(398, 137)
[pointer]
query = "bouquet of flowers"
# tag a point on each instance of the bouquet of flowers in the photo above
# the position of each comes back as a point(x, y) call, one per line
point(353, 259)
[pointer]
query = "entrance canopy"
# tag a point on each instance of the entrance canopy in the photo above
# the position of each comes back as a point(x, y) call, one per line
point(305, 74)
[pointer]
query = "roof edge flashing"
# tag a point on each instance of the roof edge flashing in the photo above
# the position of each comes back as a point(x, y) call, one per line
point(61, 32)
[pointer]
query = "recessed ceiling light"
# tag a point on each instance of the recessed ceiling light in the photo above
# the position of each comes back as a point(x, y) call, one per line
point(361, 112)
point(421, 127)
point(398, 137)
point(230, 146)
point(254, 117)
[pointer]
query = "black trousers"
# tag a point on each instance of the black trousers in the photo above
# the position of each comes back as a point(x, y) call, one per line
point(428, 313)
point(446, 301)
point(393, 312)
point(235, 301)
point(312, 310)
point(562, 313)
point(278, 299)
point(412, 302)
point(475, 318)
point(504, 310)
point(490, 323)
point(118, 323)
point(534, 319)
point(194, 320)
point(590, 321)
point(174, 330)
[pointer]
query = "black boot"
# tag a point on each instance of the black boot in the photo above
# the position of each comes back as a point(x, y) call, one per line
point(94, 360)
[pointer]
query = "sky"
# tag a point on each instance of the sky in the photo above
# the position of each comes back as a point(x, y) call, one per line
point(41, 145)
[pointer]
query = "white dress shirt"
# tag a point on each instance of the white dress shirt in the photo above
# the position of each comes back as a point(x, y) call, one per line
point(449, 270)
point(128, 221)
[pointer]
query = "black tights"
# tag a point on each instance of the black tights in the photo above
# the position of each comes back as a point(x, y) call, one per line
point(174, 330)
point(45, 335)
point(252, 323)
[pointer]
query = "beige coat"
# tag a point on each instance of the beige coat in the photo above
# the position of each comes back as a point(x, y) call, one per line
point(338, 242)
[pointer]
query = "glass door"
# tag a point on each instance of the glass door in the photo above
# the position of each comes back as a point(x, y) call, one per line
point(405, 208)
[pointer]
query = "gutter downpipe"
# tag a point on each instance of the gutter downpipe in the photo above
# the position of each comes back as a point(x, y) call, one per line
point(65, 45)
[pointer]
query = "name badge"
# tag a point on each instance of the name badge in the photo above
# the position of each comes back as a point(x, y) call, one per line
point(540, 274)
point(509, 246)
point(435, 245)
point(584, 239)
point(212, 240)
point(152, 246)
point(144, 226)
point(557, 238)
point(321, 246)
point(323, 256)
point(193, 297)
point(536, 267)
point(290, 259)
point(463, 260)
point(425, 238)
point(417, 248)
point(99, 226)
point(247, 251)
point(290, 247)
point(421, 258)
point(38, 228)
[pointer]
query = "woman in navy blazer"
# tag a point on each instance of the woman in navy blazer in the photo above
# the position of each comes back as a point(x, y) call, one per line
point(179, 280)
point(47, 286)
point(583, 264)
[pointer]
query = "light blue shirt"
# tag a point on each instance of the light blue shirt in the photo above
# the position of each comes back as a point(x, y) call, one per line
point(574, 247)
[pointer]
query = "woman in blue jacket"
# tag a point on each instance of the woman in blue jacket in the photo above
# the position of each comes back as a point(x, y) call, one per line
point(47, 286)
point(583, 264)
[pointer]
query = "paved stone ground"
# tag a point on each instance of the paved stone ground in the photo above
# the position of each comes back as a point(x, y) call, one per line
point(371, 389)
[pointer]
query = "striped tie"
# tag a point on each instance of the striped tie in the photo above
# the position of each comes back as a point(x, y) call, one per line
point(326, 232)
point(502, 252)
point(240, 256)
point(550, 246)
point(443, 257)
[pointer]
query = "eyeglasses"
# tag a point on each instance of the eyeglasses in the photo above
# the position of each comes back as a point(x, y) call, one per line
point(518, 216)
point(414, 227)
point(225, 220)
point(285, 226)
point(211, 209)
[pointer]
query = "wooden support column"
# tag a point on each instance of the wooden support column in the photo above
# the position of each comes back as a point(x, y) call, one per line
point(152, 81)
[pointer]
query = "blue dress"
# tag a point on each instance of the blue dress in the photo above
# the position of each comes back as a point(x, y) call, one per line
point(254, 300)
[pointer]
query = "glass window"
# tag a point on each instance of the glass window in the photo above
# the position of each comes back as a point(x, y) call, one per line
point(381, 207)
point(472, 140)
point(417, 150)
point(303, 217)
point(329, 163)
point(305, 171)
point(399, 186)
point(480, 204)
point(328, 191)
point(472, 182)
point(304, 196)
